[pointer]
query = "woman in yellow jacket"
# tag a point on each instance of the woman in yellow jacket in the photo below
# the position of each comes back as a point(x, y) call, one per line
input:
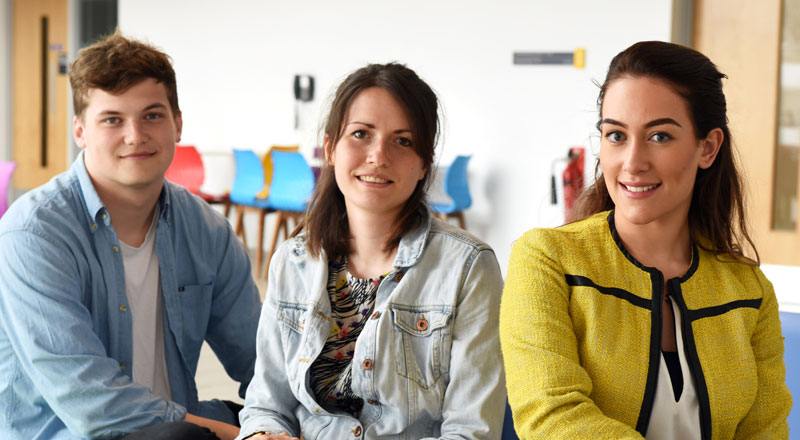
point(646, 319)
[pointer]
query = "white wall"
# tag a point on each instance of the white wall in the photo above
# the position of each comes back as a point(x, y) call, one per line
point(235, 62)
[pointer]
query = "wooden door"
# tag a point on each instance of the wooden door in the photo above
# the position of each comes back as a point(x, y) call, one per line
point(39, 90)
point(743, 38)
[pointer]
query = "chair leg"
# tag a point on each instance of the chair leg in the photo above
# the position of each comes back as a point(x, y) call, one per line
point(228, 205)
point(460, 216)
point(262, 213)
point(278, 221)
point(239, 230)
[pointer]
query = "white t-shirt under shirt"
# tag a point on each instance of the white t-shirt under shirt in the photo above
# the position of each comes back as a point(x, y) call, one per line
point(143, 289)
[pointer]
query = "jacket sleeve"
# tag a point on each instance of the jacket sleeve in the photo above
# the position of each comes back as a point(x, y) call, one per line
point(548, 389)
point(55, 346)
point(234, 312)
point(768, 415)
point(474, 401)
point(270, 403)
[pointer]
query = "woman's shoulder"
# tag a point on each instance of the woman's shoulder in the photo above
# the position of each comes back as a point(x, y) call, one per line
point(456, 235)
point(589, 231)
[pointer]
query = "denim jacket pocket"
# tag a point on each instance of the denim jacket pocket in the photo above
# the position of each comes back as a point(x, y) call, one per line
point(292, 318)
point(422, 341)
point(195, 306)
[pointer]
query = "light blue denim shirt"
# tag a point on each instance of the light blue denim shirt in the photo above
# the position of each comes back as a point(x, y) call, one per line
point(435, 368)
point(65, 326)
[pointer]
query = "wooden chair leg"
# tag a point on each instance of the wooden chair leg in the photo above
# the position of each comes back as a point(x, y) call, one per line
point(460, 216)
point(228, 205)
point(239, 230)
point(278, 221)
point(262, 213)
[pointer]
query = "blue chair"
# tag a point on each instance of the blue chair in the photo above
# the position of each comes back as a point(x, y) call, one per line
point(456, 185)
point(790, 326)
point(290, 190)
point(248, 181)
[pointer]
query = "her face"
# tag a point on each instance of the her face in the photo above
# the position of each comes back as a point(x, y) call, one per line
point(649, 152)
point(374, 161)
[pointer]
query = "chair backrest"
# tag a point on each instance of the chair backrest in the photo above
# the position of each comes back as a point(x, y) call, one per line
point(267, 163)
point(6, 171)
point(187, 168)
point(292, 181)
point(456, 183)
point(790, 327)
point(248, 179)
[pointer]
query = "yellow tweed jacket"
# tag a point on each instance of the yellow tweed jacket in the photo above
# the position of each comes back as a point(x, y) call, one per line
point(580, 328)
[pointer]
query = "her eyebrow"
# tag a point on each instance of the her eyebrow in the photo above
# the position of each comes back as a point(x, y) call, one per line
point(402, 130)
point(653, 123)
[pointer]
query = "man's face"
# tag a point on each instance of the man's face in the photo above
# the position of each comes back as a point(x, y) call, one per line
point(129, 138)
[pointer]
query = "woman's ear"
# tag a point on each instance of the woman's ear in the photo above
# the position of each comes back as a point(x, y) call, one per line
point(328, 148)
point(710, 147)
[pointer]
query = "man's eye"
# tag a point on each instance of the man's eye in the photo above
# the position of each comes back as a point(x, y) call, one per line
point(111, 120)
point(152, 116)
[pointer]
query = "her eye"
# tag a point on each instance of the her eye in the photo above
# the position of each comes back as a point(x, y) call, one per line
point(660, 137)
point(404, 141)
point(360, 134)
point(615, 136)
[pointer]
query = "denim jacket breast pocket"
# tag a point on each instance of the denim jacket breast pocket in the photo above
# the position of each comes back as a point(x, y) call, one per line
point(422, 342)
point(292, 318)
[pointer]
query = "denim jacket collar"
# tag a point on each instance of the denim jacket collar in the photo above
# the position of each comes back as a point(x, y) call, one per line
point(95, 205)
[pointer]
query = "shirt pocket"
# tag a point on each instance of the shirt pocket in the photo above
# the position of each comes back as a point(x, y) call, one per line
point(292, 319)
point(195, 301)
point(422, 342)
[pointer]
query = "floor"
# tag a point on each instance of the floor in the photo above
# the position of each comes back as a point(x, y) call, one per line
point(212, 380)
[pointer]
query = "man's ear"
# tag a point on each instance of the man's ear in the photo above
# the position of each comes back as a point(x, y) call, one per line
point(178, 126)
point(78, 132)
point(710, 147)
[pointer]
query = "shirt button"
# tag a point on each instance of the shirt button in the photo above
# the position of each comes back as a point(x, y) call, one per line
point(357, 431)
point(398, 276)
point(376, 315)
point(367, 364)
point(104, 216)
point(116, 249)
point(422, 324)
point(94, 226)
point(373, 402)
point(123, 365)
point(123, 308)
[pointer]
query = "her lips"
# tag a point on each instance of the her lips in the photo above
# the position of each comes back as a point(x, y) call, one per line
point(372, 179)
point(640, 188)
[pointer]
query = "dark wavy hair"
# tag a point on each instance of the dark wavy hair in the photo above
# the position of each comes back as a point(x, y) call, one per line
point(325, 222)
point(717, 210)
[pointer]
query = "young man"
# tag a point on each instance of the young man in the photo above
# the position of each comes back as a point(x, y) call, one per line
point(111, 278)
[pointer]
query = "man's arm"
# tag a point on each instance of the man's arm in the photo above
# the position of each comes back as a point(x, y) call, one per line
point(51, 332)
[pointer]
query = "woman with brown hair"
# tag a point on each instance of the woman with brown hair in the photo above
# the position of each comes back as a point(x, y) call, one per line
point(379, 321)
point(646, 318)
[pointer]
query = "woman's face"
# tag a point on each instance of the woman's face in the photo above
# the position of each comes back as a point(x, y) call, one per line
point(649, 152)
point(374, 161)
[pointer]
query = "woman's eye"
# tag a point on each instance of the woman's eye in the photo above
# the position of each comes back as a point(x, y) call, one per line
point(660, 137)
point(614, 137)
point(406, 142)
point(359, 134)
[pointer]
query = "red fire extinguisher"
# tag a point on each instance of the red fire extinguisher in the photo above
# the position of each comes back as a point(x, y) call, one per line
point(572, 179)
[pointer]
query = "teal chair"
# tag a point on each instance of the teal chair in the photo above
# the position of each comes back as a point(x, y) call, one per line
point(456, 186)
point(248, 181)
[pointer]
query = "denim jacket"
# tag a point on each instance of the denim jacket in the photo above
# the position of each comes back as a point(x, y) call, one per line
point(427, 364)
point(66, 343)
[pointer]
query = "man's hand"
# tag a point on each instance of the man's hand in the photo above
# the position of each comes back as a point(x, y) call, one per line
point(223, 430)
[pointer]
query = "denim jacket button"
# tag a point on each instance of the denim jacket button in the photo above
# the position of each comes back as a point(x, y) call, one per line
point(357, 431)
point(398, 276)
point(372, 402)
point(376, 315)
point(367, 364)
point(422, 324)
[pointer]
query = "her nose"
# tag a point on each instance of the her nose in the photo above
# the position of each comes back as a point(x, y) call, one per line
point(377, 154)
point(636, 158)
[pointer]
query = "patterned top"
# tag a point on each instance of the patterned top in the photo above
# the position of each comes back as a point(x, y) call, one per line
point(352, 301)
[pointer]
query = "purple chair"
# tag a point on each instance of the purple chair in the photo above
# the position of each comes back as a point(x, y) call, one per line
point(6, 170)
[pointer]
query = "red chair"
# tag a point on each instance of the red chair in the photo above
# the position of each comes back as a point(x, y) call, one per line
point(188, 171)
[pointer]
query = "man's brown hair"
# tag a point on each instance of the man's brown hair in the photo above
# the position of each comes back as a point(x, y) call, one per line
point(115, 64)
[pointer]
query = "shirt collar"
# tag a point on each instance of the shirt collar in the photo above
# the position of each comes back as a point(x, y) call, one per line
point(96, 209)
point(413, 243)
